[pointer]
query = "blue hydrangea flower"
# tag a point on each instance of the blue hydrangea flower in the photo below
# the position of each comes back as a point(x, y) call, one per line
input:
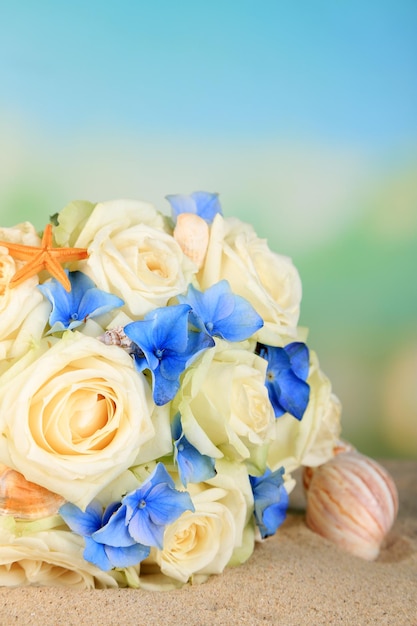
point(286, 378)
point(271, 501)
point(87, 523)
point(146, 512)
point(205, 205)
point(193, 467)
point(168, 346)
point(72, 308)
point(222, 313)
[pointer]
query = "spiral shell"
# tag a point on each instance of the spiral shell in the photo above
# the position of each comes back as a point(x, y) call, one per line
point(352, 501)
point(192, 234)
point(116, 337)
point(23, 499)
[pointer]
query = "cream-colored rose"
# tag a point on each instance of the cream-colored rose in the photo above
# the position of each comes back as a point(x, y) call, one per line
point(269, 281)
point(24, 233)
point(23, 310)
point(224, 405)
point(203, 542)
point(200, 542)
point(311, 440)
point(23, 316)
point(50, 557)
point(76, 417)
point(132, 255)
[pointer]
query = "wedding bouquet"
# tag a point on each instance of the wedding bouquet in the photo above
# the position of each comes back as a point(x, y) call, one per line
point(156, 394)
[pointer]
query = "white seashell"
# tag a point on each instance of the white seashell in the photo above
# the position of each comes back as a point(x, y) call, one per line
point(192, 234)
point(340, 446)
point(116, 337)
point(352, 501)
point(23, 499)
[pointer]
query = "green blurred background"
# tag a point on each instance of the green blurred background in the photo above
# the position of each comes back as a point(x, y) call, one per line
point(302, 115)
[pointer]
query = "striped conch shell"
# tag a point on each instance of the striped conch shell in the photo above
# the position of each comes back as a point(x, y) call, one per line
point(25, 500)
point(116, 337)
point(352, 501)
point(192, 234)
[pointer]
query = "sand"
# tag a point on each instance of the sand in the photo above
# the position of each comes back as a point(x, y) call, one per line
point(294, 578)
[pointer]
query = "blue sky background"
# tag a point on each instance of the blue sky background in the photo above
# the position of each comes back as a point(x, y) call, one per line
point(337, 71)
point(302, 115)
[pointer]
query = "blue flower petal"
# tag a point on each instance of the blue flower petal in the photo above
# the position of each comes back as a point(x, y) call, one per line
point(168, 346)
point(222, 313)
point(277, 358)
point(271, 501)
point(207, 204)
point(112, 508)
point(294, 394)
point(181, 203)
point(115, 533)
point(140, 360)
point(274, 394)
point(202, 203)
point(193, 467)
point(167, 504)
point(275, 514)
point(96, 553)
point(241, 324)
point(159, 504)
point(107, 540)
point(197, 343)
point(154, 505)
point(170, 327)
point(159, 475)
point(73, 308)
point(62, 304)
point(214, 303)
point(80, 283)
point(143, 530)
point(96, 302)
point(298, 354)
point(176, 427)
point(287, 374)
point(173, 364)
point(125, 557)
point(84, 523)
point(164, 389)
point(148, 526)
point(162, 329)
point(141, 333)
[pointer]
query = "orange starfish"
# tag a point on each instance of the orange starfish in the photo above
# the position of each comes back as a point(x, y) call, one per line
point(44, 258)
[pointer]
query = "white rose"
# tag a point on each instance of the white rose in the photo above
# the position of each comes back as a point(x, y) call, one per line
point(24, 233)
point(23, 316)
point(311, 440)
point(269, 281)
point(76, 417)
point(203, 542)
point(132, 256)
point(321, 448)
point(49, 557)
point(224, 405)
point(23, 310)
